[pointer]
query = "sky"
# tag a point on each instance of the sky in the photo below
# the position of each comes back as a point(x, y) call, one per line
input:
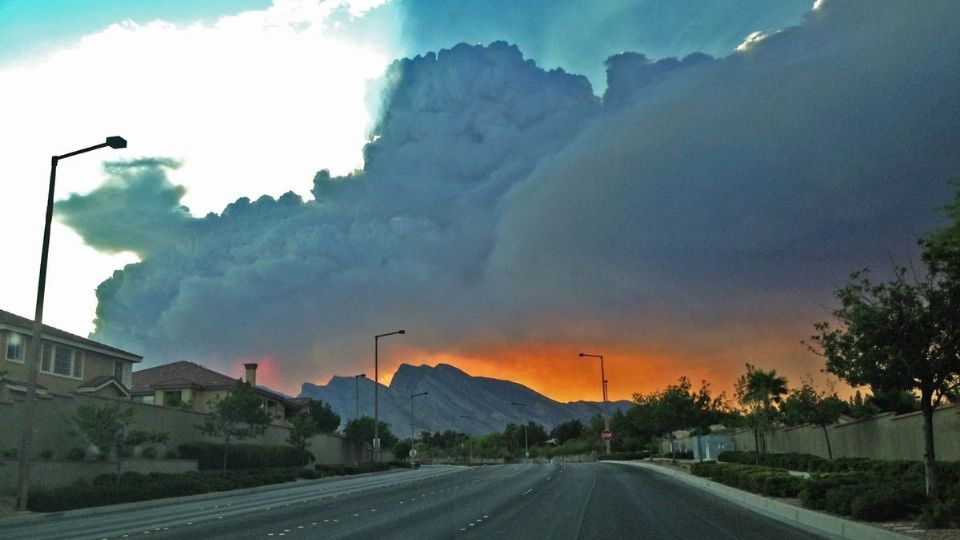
point(679, 186)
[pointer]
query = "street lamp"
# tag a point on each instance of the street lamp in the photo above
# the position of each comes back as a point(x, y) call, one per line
point(34, 348)
point(356, 382)
point(526, 446)
point(376, 390)
point(603, 387)
point(469, 437)
point(412, 421)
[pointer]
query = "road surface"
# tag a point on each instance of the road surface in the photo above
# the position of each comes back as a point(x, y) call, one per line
point(563, 501)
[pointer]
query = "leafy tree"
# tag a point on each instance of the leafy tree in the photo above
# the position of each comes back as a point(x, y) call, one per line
point(897, 336)
point(401, 450)
point(240, 414)
point(359, 431)
point(566, 431)
point(805, 405)
point(323, 416)
point(106, 427)
point(317, 418)
point(759, 392)
point(302, 427)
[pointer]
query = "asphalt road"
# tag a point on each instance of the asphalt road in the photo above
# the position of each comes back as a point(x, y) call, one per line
point(563, 501)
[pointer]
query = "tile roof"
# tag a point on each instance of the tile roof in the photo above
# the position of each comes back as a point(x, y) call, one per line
point(179, 375)
point(96, 383)
point(26, 325)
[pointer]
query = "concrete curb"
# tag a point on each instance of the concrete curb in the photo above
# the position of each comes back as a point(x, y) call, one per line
point(811, 520)
point(18, 518)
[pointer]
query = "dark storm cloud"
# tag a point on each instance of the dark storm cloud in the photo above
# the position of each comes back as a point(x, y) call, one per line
point(768, 174)
point(501, 202)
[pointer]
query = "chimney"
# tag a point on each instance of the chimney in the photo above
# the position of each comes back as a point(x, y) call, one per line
point(251, 374)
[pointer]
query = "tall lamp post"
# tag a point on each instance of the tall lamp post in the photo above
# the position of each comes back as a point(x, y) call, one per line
point(526, 446)
point(376, 390)
point(356, 389)
point(603, 387)
point(33, 353)
point(469, 437)
point(412, 417)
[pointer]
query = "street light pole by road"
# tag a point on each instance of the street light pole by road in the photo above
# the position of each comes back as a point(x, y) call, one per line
point(356, 389)
point(35, 348)
point(376, 391)
point(469, 437)
point(526, 446)
point(603, 387)
point(412, 417)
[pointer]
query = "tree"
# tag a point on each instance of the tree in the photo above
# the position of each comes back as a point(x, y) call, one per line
point(897, 336)
point(325, 419)
point(240, 414)
point(359, 431)
point(758, 391)
point(317, 418)
point(302, 427)
point(805, 405)
point(106, 428)
point(569, 430)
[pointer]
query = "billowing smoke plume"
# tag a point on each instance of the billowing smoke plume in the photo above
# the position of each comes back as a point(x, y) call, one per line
point(499, 201)
point(578, 34)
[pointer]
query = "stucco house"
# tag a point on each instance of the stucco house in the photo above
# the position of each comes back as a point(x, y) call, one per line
point(69, 364)
point(193, 387)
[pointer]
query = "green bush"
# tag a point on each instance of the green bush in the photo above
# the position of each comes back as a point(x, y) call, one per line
point(941, 514)
point(209, 456)
point(880, 504)
point(76, 454)
point(149, 452)
point(138, 487)
point(782, 485)
point(172, 453)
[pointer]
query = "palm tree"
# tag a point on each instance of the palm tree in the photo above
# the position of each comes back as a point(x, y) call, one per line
point(758, 391)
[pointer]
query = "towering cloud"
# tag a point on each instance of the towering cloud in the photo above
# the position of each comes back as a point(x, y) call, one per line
point(703, 212)
point(579, 34)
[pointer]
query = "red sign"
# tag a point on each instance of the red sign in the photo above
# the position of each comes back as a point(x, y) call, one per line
point(606, 435)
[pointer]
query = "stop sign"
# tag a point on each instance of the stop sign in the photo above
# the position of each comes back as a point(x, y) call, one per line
point(606, 435)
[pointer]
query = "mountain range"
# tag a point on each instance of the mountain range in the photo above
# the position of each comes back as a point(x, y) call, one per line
point(455, 400)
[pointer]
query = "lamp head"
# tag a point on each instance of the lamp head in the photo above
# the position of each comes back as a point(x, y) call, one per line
point(402, 332)
point(116, 142)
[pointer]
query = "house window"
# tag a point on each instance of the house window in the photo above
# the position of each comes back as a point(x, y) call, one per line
point(118, 370)
point(61, 360)
point(172, 398)
point(78, 364)
point(15, 347)
point(47, 354)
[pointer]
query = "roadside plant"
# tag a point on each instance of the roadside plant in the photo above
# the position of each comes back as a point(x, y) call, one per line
point(240, 414)
point(107, 428)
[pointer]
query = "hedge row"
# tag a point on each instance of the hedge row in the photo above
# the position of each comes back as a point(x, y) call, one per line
point(209, 456)
point(754, 478)
point(881, 491)
point(948, 472)
point(139, 487)
point(134, 486)
point(625, 456)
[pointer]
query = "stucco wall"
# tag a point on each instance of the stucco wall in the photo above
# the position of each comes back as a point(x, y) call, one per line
point(884, 436)
point(53, 428)
point(50, 474)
